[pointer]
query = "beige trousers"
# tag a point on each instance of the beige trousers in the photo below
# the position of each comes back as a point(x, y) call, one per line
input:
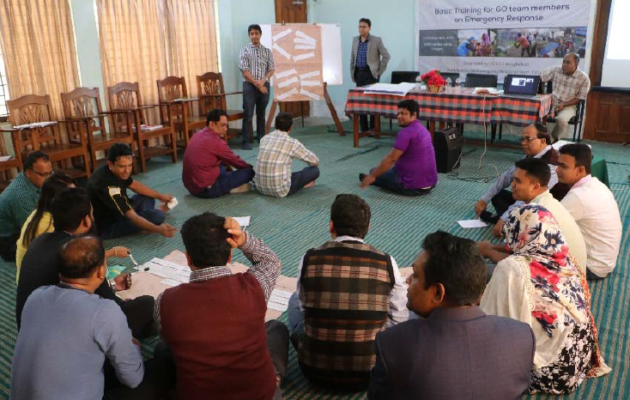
point(561, 128)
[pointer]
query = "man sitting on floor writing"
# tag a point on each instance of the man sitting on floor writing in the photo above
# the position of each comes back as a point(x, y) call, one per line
point(273, 169)
point(332, 331)
point(215, 325)
point(72, 215)
point(536, 144)
point(19, 199)
point(456, 351)
point(530, 187)
point(205, 160)
point(593, 207)
point(114, 213)
point(409, 168)
point(71, 338)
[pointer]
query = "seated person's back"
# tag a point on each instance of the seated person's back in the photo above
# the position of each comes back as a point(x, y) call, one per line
point(335, 335)
point(457, 351)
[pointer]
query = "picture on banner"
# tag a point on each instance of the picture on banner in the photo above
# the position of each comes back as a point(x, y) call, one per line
point(500, 37)
point(297, 52)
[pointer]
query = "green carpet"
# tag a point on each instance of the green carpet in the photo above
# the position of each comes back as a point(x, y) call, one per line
point(294, 224)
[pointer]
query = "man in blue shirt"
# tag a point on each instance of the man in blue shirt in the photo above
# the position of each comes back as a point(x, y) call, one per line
point(466, 47)
point(69, 333)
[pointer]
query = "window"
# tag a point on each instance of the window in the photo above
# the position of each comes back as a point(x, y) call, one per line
point(4, 91)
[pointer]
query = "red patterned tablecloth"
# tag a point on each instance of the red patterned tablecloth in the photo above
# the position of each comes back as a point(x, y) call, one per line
point(463, 107)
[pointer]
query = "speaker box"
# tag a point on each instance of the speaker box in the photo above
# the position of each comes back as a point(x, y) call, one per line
point(448, 149)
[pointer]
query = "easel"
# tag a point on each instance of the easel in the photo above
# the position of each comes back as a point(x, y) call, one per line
point(329, 103)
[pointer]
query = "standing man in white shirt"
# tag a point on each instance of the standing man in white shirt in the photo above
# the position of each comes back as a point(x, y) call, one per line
point(570, 86)
point(256, 64)
point(593, 207)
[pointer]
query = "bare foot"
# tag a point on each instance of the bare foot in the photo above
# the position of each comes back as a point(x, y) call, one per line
point(310, 184)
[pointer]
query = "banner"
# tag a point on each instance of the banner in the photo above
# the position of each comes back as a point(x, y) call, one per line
point(498, 36)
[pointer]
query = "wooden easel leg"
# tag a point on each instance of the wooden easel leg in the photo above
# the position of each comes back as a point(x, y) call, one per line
point(272, 113)
point(333, 113)
point(377, 126)
point(355, 129)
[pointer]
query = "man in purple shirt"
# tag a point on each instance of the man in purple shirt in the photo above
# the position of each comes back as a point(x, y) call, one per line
point(204, 173)
point(409, 168)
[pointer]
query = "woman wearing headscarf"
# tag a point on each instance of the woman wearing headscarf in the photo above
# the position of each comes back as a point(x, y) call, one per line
point(540, 284)
point(486, 45)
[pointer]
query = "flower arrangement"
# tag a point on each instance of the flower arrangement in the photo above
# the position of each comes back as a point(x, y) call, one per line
point(433, 80)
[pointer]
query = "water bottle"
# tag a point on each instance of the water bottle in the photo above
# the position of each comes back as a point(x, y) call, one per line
point(448, 85)
point(418, 83)
point(458, 85)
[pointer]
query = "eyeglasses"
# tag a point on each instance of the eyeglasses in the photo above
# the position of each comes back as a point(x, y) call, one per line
point(44, 174)
point(527, 139)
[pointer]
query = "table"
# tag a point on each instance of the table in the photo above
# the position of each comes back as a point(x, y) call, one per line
point(463, 107)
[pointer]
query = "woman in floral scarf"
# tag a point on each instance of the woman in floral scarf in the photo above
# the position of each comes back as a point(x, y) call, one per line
point(540, 284)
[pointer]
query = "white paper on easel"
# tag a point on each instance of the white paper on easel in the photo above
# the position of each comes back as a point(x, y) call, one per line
point(280, 50)
point(288, 94)
point(304, 56)
point(288, 82)
point(284, 74)
point(282, 34)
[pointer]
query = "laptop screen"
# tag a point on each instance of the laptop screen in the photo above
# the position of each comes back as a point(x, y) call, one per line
point(527, 85)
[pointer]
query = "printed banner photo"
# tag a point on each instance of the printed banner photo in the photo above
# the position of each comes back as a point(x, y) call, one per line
point(499, 37)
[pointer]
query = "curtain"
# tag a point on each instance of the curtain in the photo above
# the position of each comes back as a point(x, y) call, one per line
point(132, 41)
point(37, 39)
point(192, 43)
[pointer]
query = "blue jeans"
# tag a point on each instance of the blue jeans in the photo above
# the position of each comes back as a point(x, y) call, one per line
point(143, 206)
point(296, 320)
point(226, 182)
point(389, 180)
point(252, 97)
point(303, 178)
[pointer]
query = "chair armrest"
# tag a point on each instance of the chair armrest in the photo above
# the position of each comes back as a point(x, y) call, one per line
point(118, 111)
point(219, 94)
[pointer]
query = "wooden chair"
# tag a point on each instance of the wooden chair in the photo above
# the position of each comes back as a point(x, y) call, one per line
point(172, 92)
point(8, 168)
point(125, 96)
point(31, 109)
point(82, 109)
point(212, 95)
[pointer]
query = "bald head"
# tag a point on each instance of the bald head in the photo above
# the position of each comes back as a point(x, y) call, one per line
point(81, 257)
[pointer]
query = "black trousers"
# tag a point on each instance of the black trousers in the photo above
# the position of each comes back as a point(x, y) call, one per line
point(139, 313)
point(8, 247)
point(502, 201)
point(364, 77)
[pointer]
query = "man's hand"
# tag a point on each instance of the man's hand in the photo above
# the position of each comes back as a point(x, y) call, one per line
point(480, 207)
point(367, 181)
point(164, 198)
point(118, 251)
point(237, 237)
point(166, 230)
point(560, 107)
point(497, 231)
point(485, 247)
point(263, 88)
point(137, 343)
point(123, 281)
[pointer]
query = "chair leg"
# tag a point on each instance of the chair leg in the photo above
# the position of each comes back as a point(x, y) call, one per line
point(500, 131)
point(143, 162)
point(493, 129)
point(174, 147)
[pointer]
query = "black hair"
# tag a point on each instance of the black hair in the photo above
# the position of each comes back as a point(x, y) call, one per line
point(81, 256)
point(457, 264)
point(69, 208)
point(32, 158)
point(581, 152)
point(52, 185)
point(350, 215)
point(367, 21)
point(254, 27)
point(215, 115)
point(410, 105)
point(519, 35)
point(118, 150)
point(542, 132)
point(284, 122)
point(535, 168)
point(205, 239)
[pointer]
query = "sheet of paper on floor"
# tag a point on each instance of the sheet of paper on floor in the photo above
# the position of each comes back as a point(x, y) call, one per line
point(472, 223)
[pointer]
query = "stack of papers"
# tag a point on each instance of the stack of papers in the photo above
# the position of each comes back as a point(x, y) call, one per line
point(279, 300)
point(5, 158)
point(173, 274)
point(400, 89)
point(472, 223)
point(35, 125)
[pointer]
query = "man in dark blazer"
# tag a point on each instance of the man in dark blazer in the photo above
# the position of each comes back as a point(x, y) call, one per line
point(455, 351)
point(368, 61)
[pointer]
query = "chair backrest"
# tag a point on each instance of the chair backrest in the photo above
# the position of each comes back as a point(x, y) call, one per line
point(404, 76)
point(27, 110)
point(210, 83)
point(124, 96)
point(481, 80)
point(79, 103)
point(169, 89)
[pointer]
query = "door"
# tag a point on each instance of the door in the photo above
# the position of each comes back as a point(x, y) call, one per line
point(293, 11)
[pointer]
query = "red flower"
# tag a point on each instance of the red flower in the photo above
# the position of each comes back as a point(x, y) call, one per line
point(539, 315)
point(538, 270)
point(427, 78)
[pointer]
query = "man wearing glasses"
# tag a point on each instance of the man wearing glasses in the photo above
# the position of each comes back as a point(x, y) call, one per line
point(19, 199)
point(536, 143)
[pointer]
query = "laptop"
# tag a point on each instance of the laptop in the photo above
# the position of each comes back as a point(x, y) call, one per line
point(525, 86)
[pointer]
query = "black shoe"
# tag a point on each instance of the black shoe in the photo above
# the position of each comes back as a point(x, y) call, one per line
point(361, 177)
point(489, 218)
point(246, 146)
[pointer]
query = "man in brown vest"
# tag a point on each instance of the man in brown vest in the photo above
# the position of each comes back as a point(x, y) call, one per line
point(347, 292)
point(215, 325)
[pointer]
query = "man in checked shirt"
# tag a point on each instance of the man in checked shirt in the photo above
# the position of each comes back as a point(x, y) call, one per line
point(215, 325)
point(256, 64)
